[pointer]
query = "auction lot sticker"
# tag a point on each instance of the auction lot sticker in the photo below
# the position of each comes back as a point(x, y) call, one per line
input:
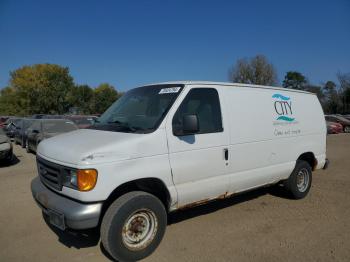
point(169, 90)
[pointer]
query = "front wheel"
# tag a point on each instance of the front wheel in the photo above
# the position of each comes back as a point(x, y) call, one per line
point(299, 182)
point(133, 226)
point(347, 129)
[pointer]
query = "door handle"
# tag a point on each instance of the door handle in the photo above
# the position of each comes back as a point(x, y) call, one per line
point(226, 154)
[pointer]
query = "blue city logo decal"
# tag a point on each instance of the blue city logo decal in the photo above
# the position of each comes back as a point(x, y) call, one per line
point(283, 108)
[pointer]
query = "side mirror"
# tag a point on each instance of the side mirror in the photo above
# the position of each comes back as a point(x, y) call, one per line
point(190, 124)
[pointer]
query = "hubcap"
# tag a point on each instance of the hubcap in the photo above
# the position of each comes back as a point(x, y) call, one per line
point(303, 179)
point(139, 229)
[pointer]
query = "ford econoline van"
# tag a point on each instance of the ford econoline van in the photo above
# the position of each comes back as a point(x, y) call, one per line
point(168, 146)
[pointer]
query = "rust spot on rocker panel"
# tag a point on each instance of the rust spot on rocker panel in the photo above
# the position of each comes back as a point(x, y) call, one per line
point(197, 203)
point(204, 201)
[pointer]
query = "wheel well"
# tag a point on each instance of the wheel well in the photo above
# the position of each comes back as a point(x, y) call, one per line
point(309, 157)
point(153, 186)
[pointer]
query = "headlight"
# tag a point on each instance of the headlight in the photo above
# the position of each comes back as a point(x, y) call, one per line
point(81, 179)
point(73, 178)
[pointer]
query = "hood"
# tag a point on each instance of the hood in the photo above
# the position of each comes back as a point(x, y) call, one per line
point(4, 139)
point(87, 146)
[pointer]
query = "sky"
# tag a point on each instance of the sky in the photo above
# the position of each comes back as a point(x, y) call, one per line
point(130, 43)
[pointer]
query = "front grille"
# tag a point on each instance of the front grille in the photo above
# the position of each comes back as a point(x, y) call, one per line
point(50, 173)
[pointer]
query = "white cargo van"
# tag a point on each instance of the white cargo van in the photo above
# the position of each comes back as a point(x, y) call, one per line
point(169, 146)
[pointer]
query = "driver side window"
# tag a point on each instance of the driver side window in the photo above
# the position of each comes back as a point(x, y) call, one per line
point(203, 102)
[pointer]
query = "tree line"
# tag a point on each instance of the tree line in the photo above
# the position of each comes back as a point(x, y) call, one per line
point(334, 98)
point(50, 89)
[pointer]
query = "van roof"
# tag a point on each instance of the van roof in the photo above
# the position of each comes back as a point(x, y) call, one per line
point(229, 84)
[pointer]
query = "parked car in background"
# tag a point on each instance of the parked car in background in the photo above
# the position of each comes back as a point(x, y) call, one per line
point(82, 121)
point(20, 136)
point(3, 120)
point(46, 128)
point(6, 154)
point(53, 117)
point(45, 116)
point(37, 116)
point(347, 117)
point(334, 128)
point(10, 126)
point(341, 120)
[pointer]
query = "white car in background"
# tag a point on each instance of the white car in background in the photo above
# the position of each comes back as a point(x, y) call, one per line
point(6, 154)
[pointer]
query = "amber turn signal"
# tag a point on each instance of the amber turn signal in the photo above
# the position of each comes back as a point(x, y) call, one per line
point(87, 179)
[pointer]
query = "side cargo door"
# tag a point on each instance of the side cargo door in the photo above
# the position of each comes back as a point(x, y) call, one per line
point(199, 162)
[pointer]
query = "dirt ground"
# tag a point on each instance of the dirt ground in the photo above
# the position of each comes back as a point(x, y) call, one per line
point(261, 225)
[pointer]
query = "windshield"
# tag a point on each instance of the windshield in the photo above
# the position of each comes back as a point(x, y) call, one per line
point(58, 126)
point(27, 123)
point(11, 120)
point(140, 110)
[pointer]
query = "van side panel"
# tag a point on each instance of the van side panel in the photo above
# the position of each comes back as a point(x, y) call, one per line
point(269, 130)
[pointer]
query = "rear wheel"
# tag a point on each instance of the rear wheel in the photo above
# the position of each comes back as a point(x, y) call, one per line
point(299, 182)
point(133, 226)
point(347, 129)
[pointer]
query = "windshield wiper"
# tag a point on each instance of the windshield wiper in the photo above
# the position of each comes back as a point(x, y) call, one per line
point(124, 125)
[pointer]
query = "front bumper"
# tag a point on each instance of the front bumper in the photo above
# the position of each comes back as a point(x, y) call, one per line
point(65, 212)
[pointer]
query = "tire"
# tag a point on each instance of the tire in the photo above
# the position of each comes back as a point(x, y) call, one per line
point(116, 235)
point(347, 129)
point(9, 158)
point(299, 182)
